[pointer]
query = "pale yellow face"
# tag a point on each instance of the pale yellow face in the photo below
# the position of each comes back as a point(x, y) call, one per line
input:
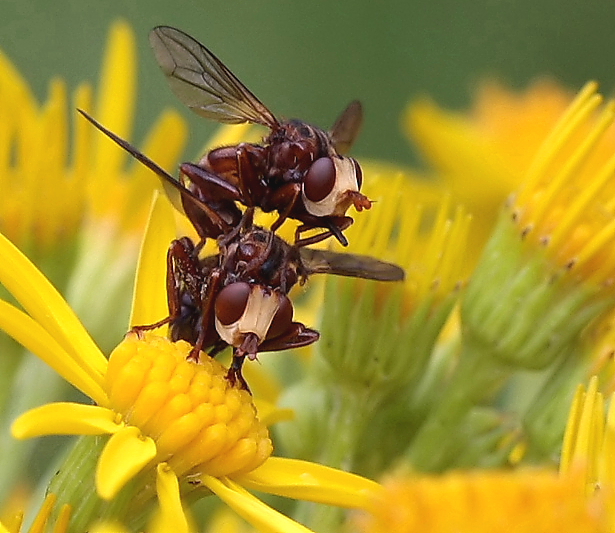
point(337, 202)
point(260, 309)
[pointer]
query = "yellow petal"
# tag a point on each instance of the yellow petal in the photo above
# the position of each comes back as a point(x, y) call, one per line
point(251, 509)
point(33, 337)
point(457, 150)
point(83, 132)
point(115, 106)
point(269, 413)
point(40, 520)
point(65, 418)
point(126, 453)
point(63, 520)
point(172, 515)
point(45, 304)
point(230, 134)
point(607, 456)
point(149, 303)
point(302, 480)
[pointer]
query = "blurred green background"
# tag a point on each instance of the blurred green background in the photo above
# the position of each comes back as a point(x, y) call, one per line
point(309, 59)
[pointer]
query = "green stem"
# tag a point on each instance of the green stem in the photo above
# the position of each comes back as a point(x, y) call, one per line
point(346, 424)
point(74, 484)
point(476, 378)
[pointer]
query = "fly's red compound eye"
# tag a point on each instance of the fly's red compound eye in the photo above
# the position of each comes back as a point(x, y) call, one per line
point(357, 172)
point(282, 319)
point(231, 302)
point(319, 180)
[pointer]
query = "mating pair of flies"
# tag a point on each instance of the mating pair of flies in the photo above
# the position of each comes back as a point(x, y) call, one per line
point(239, 296)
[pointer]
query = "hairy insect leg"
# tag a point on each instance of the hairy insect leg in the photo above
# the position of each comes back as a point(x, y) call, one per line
point(214, 185)
point(296, 336)
point(208, 300)
point(249, 183)
point(234, 374)
point(334, 228)
point(285, 195)
point(247, 220)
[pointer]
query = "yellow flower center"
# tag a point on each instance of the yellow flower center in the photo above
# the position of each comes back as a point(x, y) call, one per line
point(200, 422)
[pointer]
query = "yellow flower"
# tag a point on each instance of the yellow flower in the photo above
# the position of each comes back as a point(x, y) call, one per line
point(405, 318)
point(481, 157)
point(41, 520)
point(542, 282)
point(477, 502)
point(166, 431)
point(51, 184)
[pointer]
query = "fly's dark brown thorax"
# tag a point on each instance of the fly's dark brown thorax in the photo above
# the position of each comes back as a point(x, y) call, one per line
point(292, 148)
point(262, 258)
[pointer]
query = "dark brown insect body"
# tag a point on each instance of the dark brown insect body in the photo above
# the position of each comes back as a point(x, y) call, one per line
point(298, 170)
point(238, 297)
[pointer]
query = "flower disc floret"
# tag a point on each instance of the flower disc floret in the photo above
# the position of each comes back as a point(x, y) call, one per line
point(201, 424)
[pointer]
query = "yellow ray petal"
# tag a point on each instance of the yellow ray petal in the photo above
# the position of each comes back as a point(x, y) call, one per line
point(115, 107)
point(40, 521)
point(172, 515)
point(65, 418)
point(606, 460)
point(257, 513)
point(303, 480)
point(126, 453)
point(45, 304)
point(34, 338)
point(63, 520)
point(149, 303)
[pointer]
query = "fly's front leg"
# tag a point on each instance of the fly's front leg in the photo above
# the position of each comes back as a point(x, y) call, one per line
point(234, 374)
point(335, 227)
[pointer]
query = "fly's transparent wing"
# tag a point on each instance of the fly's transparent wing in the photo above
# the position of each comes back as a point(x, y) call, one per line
point(352, 265)
point(347, 127)
point(202, 82)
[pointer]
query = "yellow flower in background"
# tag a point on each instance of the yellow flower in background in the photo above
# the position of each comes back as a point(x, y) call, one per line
point(56, 173)
point(541, 285)
point(40, 522)
point(482, 156)
point(527, 501)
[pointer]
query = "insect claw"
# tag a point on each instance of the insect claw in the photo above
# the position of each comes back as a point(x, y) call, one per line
point(194, 355)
